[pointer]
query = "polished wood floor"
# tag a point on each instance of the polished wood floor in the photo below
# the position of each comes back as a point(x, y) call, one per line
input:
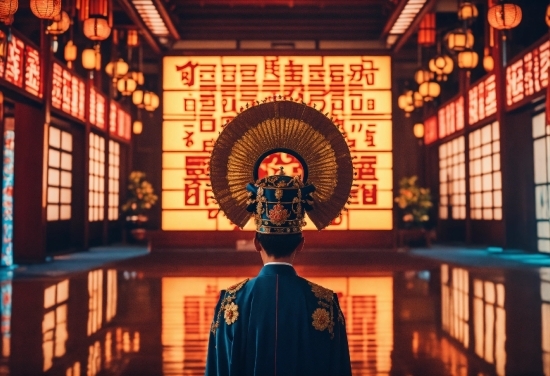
point(150, 315)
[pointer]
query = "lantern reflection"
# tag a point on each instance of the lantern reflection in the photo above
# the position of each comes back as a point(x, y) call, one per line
point(367, 304)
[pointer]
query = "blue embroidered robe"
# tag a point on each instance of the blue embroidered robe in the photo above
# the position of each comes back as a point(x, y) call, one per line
point(285, 326)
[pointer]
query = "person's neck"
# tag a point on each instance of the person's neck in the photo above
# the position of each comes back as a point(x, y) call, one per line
point(286, 260)
point(267, 258)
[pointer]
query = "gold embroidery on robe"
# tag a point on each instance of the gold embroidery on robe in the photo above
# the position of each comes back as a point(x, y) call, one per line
point(228, 307)
point(231, 313)
point(321, 319)
point(320, 292)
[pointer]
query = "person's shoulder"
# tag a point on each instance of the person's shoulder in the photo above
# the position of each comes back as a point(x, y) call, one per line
point(236, 286)
point(318, 291)
point(228, 310)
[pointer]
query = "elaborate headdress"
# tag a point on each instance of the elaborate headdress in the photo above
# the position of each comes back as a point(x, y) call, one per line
point(279, 202)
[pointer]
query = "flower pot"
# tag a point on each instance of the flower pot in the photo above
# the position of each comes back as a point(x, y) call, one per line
point(139, 234)
point(136, 227)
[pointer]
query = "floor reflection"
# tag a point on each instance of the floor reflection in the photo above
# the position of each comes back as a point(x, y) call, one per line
point(545, 311)
point(446, 321)
point(367, 304)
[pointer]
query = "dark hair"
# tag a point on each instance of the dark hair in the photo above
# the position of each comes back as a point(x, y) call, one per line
point(279, 245)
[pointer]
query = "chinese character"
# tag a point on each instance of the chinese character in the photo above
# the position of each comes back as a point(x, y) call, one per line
point(187, 73)
point(366, 167)
point(364, 71)
point(188, 138)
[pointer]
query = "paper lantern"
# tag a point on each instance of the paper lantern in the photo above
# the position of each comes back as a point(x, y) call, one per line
point(60, 24)
point(3, 45)
point(488, 61)
point(7, 10)
point(132, 38)
point(418, 130)
point(547, 18)
point(429, 90)
point(137, 127)
point(467, 59)
point(96, 28)
point(88, 59)
point(97, 19)
point(137, 98)
point(467, 11)
point(151, 101)
point(417, 100)
point(46, 9)
point(137, 76)
point(69, 53)
point(408, 109)
point(426, 30)
point(460, 40)
point(117, 69)
point(441, 66)
point(422, 75)
point(402, 101)
point(126, 85)
point(504, 16)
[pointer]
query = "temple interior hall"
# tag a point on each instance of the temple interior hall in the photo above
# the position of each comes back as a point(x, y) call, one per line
point(115, 243)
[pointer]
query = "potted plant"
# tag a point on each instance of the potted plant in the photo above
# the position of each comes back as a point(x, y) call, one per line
point(141, 197)
point(414, 204)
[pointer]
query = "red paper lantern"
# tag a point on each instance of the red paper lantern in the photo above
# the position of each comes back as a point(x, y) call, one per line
point(426, 31)
point(97, 19)
point(46, 9)
point(7, 10)
point(504, 16)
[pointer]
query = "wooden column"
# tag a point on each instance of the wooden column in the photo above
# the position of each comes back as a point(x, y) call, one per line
point(86, 165)
point(499, 56)
point(31, 169)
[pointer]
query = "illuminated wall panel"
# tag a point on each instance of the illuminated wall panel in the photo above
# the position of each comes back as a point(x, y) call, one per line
point(114, 180)
point(201, 93)
point(485, 176)
point(455, 304)
point(452, 180)
point(188, 305)
point(96, 189)
point(490, 323)
point(541, 150)
point(60, 175)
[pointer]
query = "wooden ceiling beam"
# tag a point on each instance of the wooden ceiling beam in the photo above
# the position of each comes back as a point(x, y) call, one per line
point(167, 20)
point(136, 19)
point(414, 25)
point(393, 17)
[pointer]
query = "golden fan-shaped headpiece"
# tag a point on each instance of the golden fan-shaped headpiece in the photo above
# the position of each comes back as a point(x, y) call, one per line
point(282, 126)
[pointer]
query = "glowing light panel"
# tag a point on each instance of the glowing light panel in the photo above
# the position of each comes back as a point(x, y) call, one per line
point(201, 93)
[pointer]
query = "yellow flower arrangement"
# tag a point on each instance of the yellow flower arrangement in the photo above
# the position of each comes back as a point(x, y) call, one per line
point(414, 201)
point(140, 193)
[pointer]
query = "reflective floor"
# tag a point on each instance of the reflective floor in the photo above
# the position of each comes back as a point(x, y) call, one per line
point(151, 316)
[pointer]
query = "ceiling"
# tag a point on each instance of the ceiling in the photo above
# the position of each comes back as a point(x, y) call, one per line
point(280, 19)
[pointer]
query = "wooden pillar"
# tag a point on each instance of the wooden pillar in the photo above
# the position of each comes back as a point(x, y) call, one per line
point(30, 185)
point(31, 169)
point(499, 56)
point(86, 166)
